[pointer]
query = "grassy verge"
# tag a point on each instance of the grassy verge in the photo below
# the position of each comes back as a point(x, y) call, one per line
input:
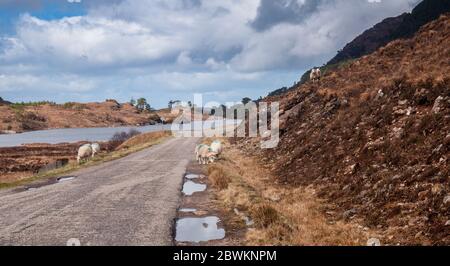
point(133, 145)
point(282, 215)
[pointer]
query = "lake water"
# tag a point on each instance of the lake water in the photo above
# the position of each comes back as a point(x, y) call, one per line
point(55, 136)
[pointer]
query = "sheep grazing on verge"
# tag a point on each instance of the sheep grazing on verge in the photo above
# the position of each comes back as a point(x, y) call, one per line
point(205, 155)
point(84, 151)
point(315, 75)
point(197, 150)
point(95, 149)
point(217, 147)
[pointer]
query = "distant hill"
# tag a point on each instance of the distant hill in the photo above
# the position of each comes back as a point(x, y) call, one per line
point(3, 102)
point(403, 26)
point(20, 117)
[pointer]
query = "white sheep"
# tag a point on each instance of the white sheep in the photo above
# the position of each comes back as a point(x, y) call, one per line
point(84, 151)
point(315, 75)
point(197, 150)
point(217, 147)
point(205, 155)
point(95, 149)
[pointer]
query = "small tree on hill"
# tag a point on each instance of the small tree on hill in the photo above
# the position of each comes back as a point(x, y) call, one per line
point(142, 105)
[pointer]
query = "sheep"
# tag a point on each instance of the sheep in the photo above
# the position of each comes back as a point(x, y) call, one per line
point(84, 151)
point(217, 147)
point(197, 149)
point(315, 75)
point(205, 155)
point(95, 149)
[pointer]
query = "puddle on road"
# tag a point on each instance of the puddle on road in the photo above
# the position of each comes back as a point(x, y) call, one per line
point(192, 176)
point(198, 229)
point(65, 178)
point(188, 210)
point(189, 188)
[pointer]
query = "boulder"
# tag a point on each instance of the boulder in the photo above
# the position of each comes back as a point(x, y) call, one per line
point(438, 105)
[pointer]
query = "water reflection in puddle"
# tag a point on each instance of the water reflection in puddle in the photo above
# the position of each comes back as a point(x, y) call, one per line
point(191, 176)
point(189, 188)
point(188, 210)
point(198, 229)
point(65, 178)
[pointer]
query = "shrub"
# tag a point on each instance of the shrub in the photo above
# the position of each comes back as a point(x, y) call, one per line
point(218, 177)
point(264, 215)
point(120, 137)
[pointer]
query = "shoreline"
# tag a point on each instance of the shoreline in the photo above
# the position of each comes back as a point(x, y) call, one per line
point(23, 164)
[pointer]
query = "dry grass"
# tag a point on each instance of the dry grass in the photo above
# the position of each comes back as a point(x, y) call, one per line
point(144, 138)
point(218, 178)
point(282, 215)
point(264, 215)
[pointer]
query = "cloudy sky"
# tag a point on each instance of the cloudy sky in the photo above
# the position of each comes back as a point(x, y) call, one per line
point(91, 50)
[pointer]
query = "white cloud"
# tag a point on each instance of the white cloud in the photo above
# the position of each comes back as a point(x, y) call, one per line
point(180, 45)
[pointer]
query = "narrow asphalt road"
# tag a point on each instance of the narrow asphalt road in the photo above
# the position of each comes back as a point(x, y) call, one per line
point(130, 201)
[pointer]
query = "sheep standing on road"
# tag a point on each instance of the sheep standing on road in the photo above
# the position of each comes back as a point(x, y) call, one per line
point(95, 149)
point(84, 151)
point(315, 75)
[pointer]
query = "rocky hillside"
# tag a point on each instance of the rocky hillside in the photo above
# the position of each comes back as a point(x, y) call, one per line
point(46, 115)
point(373, 137)
point(403, 26)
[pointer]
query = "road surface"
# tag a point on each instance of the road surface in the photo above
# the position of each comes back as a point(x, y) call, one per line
point(130, 201)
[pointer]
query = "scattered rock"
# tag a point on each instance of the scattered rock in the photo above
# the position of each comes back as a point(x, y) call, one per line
point(438, 105)
point(418, 235)
point(447, 199)
point(373, 242)
point(397, 132)
point(404, 102)
point(349, 213)
point(438, 149)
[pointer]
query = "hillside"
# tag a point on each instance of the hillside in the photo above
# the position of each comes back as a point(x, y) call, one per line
point(403, 26)
point(390, 29)
point(373, 139)
point(45, 115)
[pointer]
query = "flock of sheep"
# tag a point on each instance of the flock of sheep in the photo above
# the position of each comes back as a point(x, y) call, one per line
point(208, 154)
point(204, 154)
point(88, 150)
